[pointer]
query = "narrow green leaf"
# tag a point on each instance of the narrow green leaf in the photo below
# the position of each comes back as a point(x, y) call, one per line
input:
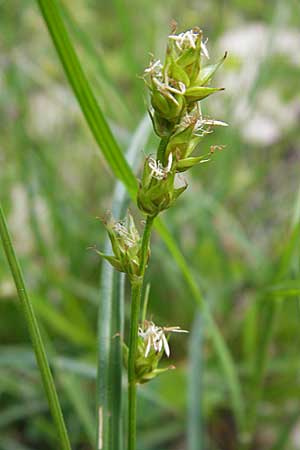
point(200, 92)
point(208, 72)
point(288, 288)
point(35, 335)
point(145, 303)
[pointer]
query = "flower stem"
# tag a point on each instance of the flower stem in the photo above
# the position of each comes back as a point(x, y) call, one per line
point(136, 289)
point(161, 149)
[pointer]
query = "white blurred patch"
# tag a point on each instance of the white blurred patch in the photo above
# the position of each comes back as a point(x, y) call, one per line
point(261, 130)
point(18, 220)
point(264, 121)
point(7, 288)
point(180, 181)
point(46, 114)
point(295, 441)
point(248, 41)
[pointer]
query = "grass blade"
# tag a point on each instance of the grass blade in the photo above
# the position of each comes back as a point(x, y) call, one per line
point(35, 335)
point(104, 358)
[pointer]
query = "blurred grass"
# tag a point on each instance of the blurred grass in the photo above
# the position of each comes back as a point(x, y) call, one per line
point(233, 224)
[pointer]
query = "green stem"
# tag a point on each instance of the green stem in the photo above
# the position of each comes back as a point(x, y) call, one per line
point(161, 149)
point(136, 289)
point(35, 335)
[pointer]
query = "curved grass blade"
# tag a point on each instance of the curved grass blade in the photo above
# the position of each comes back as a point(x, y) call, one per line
point(35, 335)
point(121, 169)
point(287, 289)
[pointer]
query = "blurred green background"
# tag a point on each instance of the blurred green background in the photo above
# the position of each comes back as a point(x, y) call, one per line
point(237, 225)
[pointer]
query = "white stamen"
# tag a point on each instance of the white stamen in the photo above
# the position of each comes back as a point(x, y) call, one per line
point(122, 231)
point(174, 330)
point(166, 345)
point(185, 40)
point(200, 126)
point(155, 67)
point(157, 170)
point(169, 165)
point(213, 122)
point(155, 337)
point(181, 89)
point(204, 50)
point(148, 348)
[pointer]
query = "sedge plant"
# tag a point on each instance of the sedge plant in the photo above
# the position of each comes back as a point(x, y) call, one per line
point(176, 87)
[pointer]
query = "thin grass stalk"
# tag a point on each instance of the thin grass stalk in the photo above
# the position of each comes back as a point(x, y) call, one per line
point(136, 290)
point(104, 356)
point(35, 335)
point(116, 397)
point(109, 366)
